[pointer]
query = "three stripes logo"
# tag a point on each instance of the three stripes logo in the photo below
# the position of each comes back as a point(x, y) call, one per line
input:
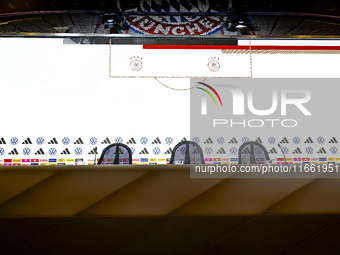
point(272, 151)
point(233, 140)
point(169, 151)
point(297, 151)
point(131, 141)
point(40, 152)
point(156, 141)
point(246, 151)
point(333, 140)
point(93, 151)
point(144, 151)
point(221, 151)
point(27, 141)
point(65, 152)
point(322, 151)
point(14, 152)
point(184, 139)
point(2, 141)
point(309, 140)
point(284, 140)
point(209, 141)
point(53, 141)
point(258, 140)
point(78, 141)
point(106, 141)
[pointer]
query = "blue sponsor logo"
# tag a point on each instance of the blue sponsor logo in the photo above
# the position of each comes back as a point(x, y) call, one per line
point(245, 139)
point(296, 140)
point(78, 151)
point(208, 150)
point(65, 140)
point(309, 150)
point(52, 151)
point(168, 140)
point(234, 159)
point(217, 163)
point(321, 140)
point(144, 160)
point(233, 150)
point(285, 150)
point(93, 140)
point(2, 151)
point(156, 151)
point(220, 140)
point(40, 141)
point(52, 160)
point(305, 162)
point(271, 140)
point(34, 164)
point(14, 141)
point(334, 150)
point(119, 140)
point(26, 151)
point(322, 159)
point(143, 140)
point(196, 140)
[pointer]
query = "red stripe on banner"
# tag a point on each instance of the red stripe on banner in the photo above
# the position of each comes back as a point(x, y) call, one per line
point(99, 22)
point(238, 47)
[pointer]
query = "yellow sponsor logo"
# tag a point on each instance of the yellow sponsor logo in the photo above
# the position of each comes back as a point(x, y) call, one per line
point(70, 160)
point(16, 160)
point(331, 159)
point(61, 160)
point(144, 163)
point(323, 162)
point(1, 164)
point(337, 159)
point(289, 159)
point(90, 163)
point(43, 164)
point(225, 162)
point(53, 164)
point(314, 162)
point(161, 160)
point(235, 163)
point(135, 163)
point(152, 160)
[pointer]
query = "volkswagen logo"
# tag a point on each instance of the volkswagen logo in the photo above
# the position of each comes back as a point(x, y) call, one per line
point(220, 140)
point(132, 150)
point(334, 150)
point(40, 141)
point(2, 151)
point(271, 140)
point(296, 140)
point(52, 151)
point(118, 140)
point(321, 140)
point(196, 140)
point(309, 150)
point(78, 151)
point(285, 150)
point(26, 151)
point(143, 140)
point(245, 139)
point(93, 140)
point(208, 150)
point(182, 150)
point(233, 150)
point(156, 151)
point(168, 140)
point(65, 140)
point(14, 141)
point(258, 150)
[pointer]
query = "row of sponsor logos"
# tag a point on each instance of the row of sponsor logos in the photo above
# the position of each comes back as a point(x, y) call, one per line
point(152, 161)
point(169, 140)
point(92, 141)
point(157, 151)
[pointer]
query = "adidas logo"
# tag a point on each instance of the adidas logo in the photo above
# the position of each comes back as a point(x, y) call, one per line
point(169, 151)
point(322, 150)
point(284, 140)
point(14, 152)
point(309, 140)
point(258, 140)
point(156, 141)
point(144, 151)
point(246, 151)
point(106, 141)
point(78, 141)
point(2, 141)
point(27, 141)
point(183, 140)
point(221, 151)
point(39, 152)
point(297, 151)
point(208, 140)
point(131, 141)
point(93, 151)
point(66, 151)
point(53, 141)
point(333, 140)
point(233, 140)
point(272, 151)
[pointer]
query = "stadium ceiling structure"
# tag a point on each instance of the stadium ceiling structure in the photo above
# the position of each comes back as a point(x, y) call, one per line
point(166, 18)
